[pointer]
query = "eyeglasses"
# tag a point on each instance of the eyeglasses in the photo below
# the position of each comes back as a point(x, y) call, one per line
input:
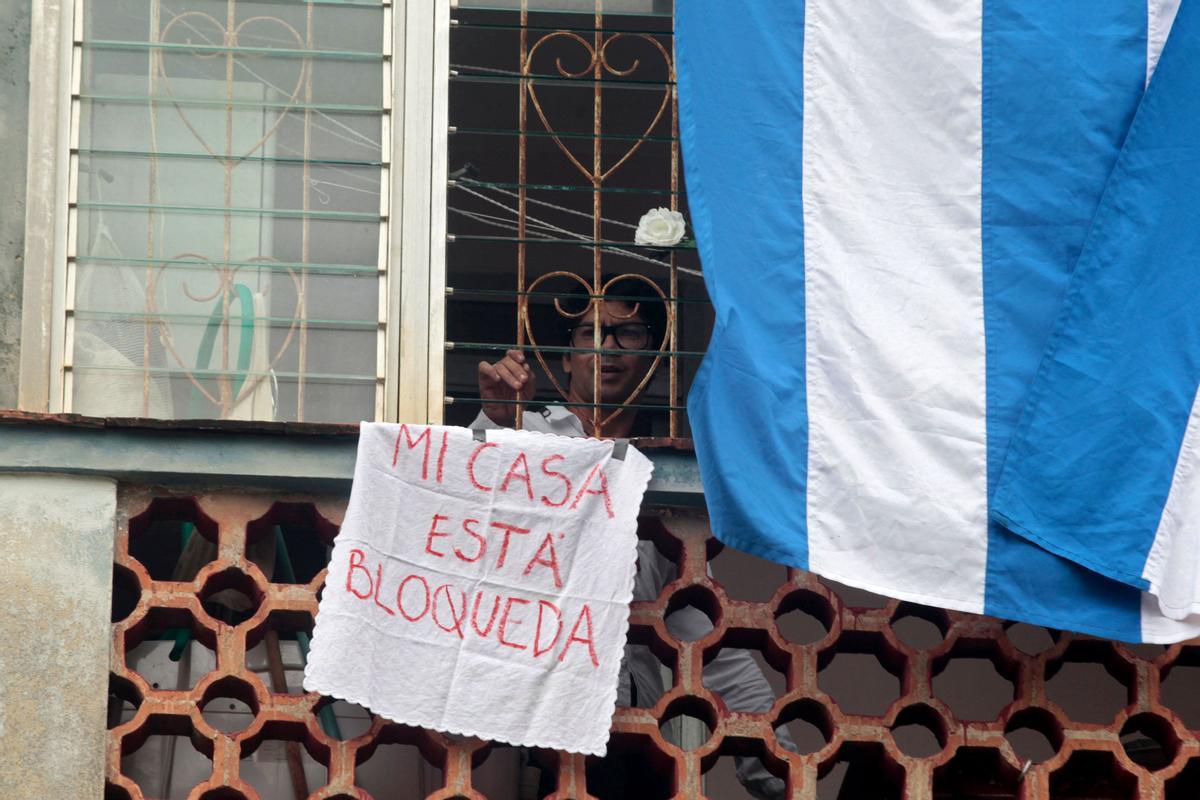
point(628, 335)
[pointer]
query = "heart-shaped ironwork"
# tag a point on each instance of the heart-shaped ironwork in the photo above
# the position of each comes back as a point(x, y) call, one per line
point(225, 277)
point(230, 38)
point(597, 60)
point(594, 296)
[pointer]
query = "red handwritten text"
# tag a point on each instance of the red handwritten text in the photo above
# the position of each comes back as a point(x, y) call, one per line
point(534, 627)
point(548, 485)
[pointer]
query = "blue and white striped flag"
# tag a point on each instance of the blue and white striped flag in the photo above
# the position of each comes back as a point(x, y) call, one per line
point(890, 197)
point(1102, 468)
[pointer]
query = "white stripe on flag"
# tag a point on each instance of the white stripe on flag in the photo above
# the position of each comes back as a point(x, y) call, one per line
point(1173, 564)
point(1161, 15)
point(897, 493)
point(1158, 629)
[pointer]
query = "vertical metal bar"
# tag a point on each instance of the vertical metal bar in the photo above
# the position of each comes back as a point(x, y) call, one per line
point(673, 305)
point(597, 181)
point(224, 381)
point(279, 685)
point(523, 119)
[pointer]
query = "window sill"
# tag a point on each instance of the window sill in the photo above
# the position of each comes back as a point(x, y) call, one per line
point(294, 456)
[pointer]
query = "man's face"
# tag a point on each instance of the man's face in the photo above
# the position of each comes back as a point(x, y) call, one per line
point(619, 373)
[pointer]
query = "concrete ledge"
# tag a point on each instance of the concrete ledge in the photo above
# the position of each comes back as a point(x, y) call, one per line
point(293, 457)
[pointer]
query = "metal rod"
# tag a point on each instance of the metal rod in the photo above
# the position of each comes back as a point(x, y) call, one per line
point(522, 178)
point(604, 351)
point(279, 685)
point(597, 180)
point(673, 291)
point(562, 187)
point(454, 399)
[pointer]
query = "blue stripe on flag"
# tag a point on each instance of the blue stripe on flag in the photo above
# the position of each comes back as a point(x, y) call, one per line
point(748, 398)
point(1090, 468)
point(1061, 84)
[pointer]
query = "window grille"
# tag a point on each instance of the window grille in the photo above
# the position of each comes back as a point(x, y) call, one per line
point(564, 131)
point(228, 209)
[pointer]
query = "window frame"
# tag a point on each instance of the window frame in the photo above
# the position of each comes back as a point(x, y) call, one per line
point(411, 332)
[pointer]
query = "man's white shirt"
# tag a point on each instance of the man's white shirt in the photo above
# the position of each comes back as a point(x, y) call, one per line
point(733, 674)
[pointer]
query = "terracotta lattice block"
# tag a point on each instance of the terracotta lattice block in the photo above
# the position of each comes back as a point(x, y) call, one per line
point(214, 600)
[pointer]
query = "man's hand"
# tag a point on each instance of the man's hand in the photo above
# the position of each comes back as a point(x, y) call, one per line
point(508, 379)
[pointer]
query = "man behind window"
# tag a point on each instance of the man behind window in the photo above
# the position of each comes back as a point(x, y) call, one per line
point(637, 324)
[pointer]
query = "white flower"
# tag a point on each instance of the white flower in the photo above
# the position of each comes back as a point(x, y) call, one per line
point(660, 226)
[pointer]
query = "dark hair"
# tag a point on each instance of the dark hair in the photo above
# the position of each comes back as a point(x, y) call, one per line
point(651, 306)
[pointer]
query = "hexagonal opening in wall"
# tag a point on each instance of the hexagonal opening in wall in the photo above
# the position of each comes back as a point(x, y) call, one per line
point(1090, 682)
point(657, 666)
point(860, 770)
point(341, 720)
point(686, 607)
point(400, 763)
point(126, 592)
point(920, 627)
point(919, 731)
point(1092, 775)
point(229, 704)
point(808, 723)
point(861, 673)
point(804, 617)
point(634, 766)
point(292, 542)
point(223, 793)
point(170, 649)
point(1186, 784)
point(976, 773)
point(231, 596)
point(114, 792)
point(284, 753)
point(161, 538)
point(656, 541)
point(124, 699)
point(1149, 741)
point(497, 769)
point(1034, 734)
point(747, 577)
point(1180, 687)
point(765, 774)
point(771, 662)
point(277, 650)
point(163, 739)
point(1032, 640)
point(975, 680)
point(688, 722)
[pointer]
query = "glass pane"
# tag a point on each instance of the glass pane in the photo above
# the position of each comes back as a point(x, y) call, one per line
point(553, 174)
point(228, 219)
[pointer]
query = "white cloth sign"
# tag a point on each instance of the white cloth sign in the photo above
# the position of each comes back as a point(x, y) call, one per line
point(483, 587)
